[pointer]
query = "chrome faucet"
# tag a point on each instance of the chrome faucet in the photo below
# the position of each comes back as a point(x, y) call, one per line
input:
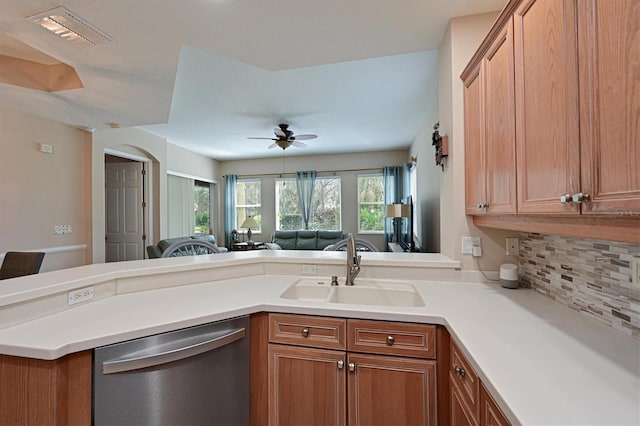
point(353, 261)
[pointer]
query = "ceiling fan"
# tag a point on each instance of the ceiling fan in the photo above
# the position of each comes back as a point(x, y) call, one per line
point(285, 138)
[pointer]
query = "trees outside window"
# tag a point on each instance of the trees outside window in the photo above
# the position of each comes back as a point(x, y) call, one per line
point(370, 203)
point(249, 202)
point(326, 211)
point(202, 207)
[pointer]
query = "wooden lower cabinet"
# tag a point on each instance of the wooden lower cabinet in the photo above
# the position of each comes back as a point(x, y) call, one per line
point(471, 403)
point(461, 414)
point(306, 386)
point(39, 392)
point(385, 390)
point(490, 414)
point(384, 373)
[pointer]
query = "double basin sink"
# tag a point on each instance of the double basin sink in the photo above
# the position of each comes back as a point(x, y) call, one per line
point(364, 292)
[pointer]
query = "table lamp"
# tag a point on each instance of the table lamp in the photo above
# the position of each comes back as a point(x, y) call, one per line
point(249, 223)
point(396, 211)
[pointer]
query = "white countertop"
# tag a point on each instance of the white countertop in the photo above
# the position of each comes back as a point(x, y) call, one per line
point(544, 363)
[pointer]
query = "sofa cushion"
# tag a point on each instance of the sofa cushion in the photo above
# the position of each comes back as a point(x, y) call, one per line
point(307, 240)
point(205, 237)
point(285, 239)
point(326, 238)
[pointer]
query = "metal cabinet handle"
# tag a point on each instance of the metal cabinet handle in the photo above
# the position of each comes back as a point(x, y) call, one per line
point(460, 371)
point(482, 205)
point(352, 366)
point(340, 364)
point(566, 199)
point(305, 332)
point(390, 340)
point(146, 361)
point(579, 197)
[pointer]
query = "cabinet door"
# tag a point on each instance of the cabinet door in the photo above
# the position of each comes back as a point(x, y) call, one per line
point(389, 391)
point(547, 129)
point(500, 133)
point(490, 414)
point(609, 52)
point(475, 189)
point(306, 386)
point(461, 414)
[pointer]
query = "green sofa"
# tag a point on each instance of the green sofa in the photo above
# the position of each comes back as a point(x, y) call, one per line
point(156, 251)
point(306, 240)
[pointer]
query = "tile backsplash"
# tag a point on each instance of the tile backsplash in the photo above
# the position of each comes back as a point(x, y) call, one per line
point(591, 276)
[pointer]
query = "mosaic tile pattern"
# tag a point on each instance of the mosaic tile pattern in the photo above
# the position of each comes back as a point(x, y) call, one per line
point(590, 276)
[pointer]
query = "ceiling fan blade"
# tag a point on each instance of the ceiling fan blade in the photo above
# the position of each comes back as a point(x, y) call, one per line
point(304, 137)
point(269, 139)
point(299, 144)
point(279, 132)
point(273, 145)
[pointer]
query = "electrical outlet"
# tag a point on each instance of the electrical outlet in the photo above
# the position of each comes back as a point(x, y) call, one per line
point(635, 272)
point(309, 269)
point(80, 295)
point(471, 243)
point(513, 247)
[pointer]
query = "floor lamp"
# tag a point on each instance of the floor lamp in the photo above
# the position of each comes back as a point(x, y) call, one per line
point(397, 212)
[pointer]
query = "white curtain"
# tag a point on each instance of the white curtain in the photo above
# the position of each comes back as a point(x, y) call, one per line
point(181, 206)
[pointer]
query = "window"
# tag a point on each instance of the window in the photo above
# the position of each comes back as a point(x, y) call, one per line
point(202, 206)
point(370, 203)
point(326, 209)
point(248, 202)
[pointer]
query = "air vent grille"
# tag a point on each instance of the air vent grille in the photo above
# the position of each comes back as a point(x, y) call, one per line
point(71, 27)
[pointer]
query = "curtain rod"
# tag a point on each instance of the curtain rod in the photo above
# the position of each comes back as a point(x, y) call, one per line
point(333, 172)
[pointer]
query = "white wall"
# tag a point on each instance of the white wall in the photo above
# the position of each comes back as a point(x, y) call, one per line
point(320, 163)
point(462, 38)
point(39, 191)
point(184, 162)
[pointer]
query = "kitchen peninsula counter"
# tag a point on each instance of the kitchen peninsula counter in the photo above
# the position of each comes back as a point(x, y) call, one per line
point(543, 362)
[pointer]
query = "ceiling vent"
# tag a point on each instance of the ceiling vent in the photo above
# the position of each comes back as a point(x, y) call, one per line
point(70, 27)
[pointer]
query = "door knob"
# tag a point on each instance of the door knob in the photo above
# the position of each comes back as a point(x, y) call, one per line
point(390, 340)
point(305, 332)
point(352, 366)
point(340, 364)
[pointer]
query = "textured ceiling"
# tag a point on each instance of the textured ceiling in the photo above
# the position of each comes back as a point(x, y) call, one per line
point(206, 74)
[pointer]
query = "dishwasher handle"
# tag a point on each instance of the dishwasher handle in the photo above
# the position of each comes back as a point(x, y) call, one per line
point(128, 364)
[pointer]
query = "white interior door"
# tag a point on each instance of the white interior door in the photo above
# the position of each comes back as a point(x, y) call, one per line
point(124, 227)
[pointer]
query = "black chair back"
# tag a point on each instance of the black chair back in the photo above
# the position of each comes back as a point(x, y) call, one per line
point(20, 263)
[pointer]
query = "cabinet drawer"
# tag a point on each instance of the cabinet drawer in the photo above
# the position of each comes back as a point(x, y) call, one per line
point(466, 380)
point(381, 337)
point(304, 330)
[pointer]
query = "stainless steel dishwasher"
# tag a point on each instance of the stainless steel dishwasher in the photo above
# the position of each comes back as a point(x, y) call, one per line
point(193, 376)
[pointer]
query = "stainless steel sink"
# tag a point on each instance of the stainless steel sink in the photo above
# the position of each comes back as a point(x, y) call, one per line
point(364, 292)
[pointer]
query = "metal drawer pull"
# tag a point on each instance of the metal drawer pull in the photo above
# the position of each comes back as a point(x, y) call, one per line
point(390, 340)
point(305, 332)
point(352, 366)
point(460, 371)
point(340, 364)
point(151, 360)
point(579, 198)
point(566, 199)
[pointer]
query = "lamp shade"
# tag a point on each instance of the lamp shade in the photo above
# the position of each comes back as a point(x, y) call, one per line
point(397, 210)
point(249, 223)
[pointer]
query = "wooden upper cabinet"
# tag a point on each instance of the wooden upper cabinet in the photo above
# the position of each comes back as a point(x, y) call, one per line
point(547, 116)
point(500, 137)
point(475, 188)
point(490, 159)
point(609, 52)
